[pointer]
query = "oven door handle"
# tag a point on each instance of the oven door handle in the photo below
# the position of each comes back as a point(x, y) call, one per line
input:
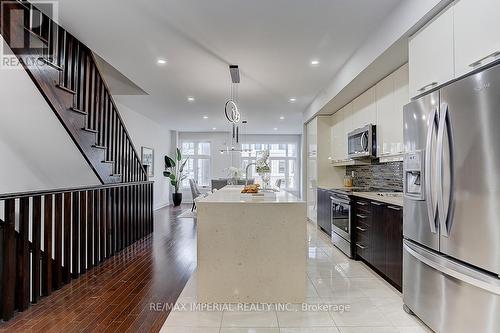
point(337, 200)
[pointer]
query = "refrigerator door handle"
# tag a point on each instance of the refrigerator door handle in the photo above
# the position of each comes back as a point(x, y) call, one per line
point(431, 203)
point(444, 215)
point(455, 270)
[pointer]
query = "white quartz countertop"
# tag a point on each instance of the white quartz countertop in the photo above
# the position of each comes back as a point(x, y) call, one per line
point(395, 198)
point(232, 194)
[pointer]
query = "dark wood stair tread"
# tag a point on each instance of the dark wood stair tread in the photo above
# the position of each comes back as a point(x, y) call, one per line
point(66, 89)
point(78, 111)
point(89, 130)
point(50, 63)
point(99, 147)
point(110, 162)
point(43, 40)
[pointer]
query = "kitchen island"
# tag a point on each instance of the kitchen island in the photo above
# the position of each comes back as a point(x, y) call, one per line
point(251, 249)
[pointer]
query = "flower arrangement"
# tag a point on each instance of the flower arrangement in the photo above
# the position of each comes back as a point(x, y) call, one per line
point(262, 163)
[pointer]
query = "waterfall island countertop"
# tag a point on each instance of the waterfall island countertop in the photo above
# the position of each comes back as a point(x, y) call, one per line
point(232, 194)
point(251, 248)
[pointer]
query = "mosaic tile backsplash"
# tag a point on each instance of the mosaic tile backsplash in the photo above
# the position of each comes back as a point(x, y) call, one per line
point(383, 176)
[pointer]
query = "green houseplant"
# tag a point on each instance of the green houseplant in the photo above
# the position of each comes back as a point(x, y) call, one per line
point(174, 170)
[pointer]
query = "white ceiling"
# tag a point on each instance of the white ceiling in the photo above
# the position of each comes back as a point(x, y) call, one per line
point(273, 42)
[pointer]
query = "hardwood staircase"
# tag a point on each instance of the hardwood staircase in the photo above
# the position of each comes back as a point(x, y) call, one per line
point(48, 238)
point(66, 73)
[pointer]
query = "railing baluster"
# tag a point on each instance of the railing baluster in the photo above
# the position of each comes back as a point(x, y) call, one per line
point(36, 239)
point(83, 230)
point(90, 93)
point(107, 124)
point(110, 219)
point(101, 114)
point(96, 97)
point(58, 241)
point(90, 228)
point(75, 234)
point(96, 227)
point(103, 224)
point(9, 260)
point(23, 259)
point(119, 220)
point(75, 82)
point(47, 249)
point(66, 63)
point(67, 238)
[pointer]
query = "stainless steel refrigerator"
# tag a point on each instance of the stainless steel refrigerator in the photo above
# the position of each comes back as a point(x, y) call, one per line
point(451, 251)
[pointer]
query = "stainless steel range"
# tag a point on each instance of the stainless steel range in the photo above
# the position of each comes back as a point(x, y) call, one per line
point(342, 219)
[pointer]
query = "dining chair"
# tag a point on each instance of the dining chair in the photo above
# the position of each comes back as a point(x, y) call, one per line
point(195, 192)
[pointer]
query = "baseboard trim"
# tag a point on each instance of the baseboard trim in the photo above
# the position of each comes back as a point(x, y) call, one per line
point(162, 206)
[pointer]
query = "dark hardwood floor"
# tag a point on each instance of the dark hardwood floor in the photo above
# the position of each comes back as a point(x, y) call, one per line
point(116, 296)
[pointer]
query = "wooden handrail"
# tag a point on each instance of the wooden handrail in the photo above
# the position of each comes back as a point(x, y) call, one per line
point(16, 195)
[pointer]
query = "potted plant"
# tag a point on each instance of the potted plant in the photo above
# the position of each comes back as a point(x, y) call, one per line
point(174, 170)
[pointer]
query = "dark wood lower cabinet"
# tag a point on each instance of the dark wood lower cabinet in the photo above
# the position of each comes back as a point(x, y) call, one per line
point(324, 215)
point(378, 243)
point(379, 238)
point(393, 216)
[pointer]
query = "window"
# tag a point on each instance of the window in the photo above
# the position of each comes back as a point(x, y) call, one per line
point(198, 165)
point(283, 162)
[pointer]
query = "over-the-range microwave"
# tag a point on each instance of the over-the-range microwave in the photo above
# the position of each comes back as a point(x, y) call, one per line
point(361, 143)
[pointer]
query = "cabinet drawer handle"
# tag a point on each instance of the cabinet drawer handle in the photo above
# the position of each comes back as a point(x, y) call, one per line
point(361, 203)
point(361, 246)
point(361, 216)
point(428, 86)
point(480, 61)
point(394, 208)
point(377, 203)
point(361, 229)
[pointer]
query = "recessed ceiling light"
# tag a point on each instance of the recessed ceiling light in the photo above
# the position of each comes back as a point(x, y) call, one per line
point(276, 128)
point(315, 62)
point(292, 100)
point(205, 117)
point(282, 118)
point(162, 61)
point(214, 128)
point(190, 99)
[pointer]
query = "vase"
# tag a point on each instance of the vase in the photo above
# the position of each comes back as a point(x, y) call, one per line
point(266, 180)
point(177, 199)
point(233, 181)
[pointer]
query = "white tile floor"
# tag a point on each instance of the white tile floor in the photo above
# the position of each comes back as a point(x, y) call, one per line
point(333, 279)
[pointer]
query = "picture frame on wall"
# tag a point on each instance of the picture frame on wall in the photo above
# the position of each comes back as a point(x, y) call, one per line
point(147, 160)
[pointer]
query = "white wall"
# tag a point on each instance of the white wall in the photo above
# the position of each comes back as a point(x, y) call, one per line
point(36, 152)
point(146, 132)
point(220, 140)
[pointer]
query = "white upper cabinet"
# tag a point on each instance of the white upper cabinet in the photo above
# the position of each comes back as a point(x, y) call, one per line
point(349, 126)
point(431, 54)
point(365, 109)
point(385, 110)
point(392, 95)
point(339, 133)
point(477, 25)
